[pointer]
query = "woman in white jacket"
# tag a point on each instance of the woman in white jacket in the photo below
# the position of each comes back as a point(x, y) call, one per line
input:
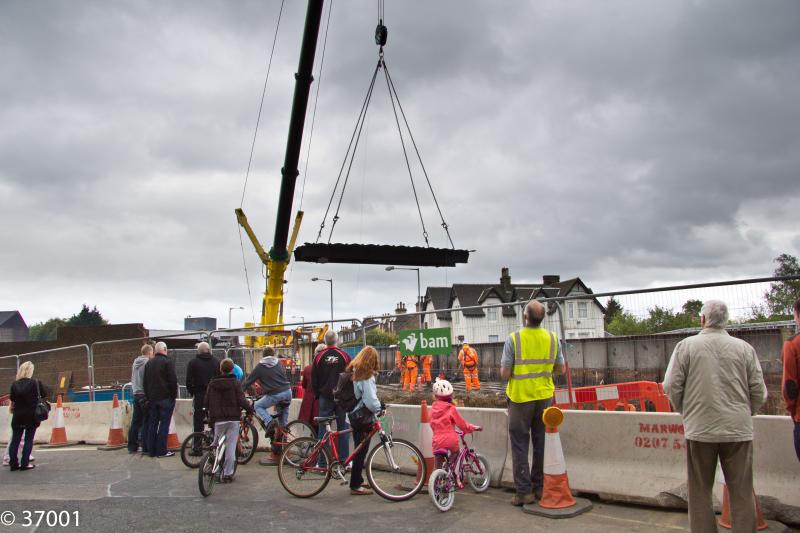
point(364, 368)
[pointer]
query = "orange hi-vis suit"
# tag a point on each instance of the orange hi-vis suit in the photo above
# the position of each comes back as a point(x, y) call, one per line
point(468, 358)
point(410, 377)
point(398, 363)
point(426, 368)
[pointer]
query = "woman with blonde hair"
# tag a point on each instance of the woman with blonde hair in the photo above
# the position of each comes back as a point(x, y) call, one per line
point(25, 394)
point(364, 369)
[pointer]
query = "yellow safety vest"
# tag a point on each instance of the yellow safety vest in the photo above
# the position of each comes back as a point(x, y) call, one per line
point(534, 357)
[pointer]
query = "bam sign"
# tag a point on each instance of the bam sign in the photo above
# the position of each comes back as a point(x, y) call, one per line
point(425, 341)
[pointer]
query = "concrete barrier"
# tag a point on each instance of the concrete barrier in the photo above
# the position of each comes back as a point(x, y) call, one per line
point(86, 422)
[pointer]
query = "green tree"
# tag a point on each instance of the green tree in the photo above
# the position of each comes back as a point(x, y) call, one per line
point(87, 317)
point(782, 294)
point(613, 308)
point(45, 331)
point(692, 307)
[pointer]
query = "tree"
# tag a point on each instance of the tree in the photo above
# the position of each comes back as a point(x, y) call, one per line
point(659, 319)
point(692, 308)
point(87, 317)
point(45, 331)
point(782, 294)
point(613, 308)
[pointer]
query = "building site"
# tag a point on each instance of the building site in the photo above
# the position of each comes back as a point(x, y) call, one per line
point(563, 293)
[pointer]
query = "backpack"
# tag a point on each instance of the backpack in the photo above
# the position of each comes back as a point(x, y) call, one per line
point(344, 395)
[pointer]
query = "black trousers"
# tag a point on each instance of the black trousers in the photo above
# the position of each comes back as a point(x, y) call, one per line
point(525, 427)
point(198, 417)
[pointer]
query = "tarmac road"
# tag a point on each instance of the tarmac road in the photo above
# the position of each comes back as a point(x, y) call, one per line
point(117, 492)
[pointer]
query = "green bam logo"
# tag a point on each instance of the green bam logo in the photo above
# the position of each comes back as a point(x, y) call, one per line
point(425, 341)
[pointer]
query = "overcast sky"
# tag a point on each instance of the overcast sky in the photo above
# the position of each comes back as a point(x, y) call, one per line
point(629, 143)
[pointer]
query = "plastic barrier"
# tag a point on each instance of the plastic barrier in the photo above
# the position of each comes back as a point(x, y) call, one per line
point(631, 396)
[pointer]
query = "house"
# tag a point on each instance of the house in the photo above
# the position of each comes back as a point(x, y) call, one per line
point(12, 327)
point(575, 318)
point(390, 323)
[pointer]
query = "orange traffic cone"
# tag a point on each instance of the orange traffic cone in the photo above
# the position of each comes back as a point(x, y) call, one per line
point(557, 500)
point(116, 438)
point(58, 437)
point(425, 440)
point(725, 517)
point(172, 439)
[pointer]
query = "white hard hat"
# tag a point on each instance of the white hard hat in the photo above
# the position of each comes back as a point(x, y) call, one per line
point(442, 387)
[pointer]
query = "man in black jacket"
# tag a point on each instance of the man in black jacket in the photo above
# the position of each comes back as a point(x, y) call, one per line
point(161, 391)
point(325, 370)
point(199, 372)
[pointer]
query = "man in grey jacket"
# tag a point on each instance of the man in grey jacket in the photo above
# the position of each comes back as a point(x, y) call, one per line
point(715, 382)
point(137, 433)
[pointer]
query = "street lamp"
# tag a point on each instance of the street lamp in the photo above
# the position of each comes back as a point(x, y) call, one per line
point(419, 297)
point(331, 282)
point(229, 314)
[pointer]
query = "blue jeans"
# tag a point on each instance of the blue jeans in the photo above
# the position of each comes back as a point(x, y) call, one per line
point(267, 401)
point(135, 433)
point(160, 414)
point(327, 407)
point(27, 447)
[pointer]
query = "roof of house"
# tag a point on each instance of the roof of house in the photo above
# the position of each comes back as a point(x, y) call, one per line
point(5, 316)
point(475, 294)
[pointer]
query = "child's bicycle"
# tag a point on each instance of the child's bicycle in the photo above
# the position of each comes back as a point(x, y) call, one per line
point(194, 444)
point(466, 464)
point(395, 468)
point(212, 466)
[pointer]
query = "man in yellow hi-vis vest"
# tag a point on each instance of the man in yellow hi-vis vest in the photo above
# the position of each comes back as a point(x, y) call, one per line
point(530, 358)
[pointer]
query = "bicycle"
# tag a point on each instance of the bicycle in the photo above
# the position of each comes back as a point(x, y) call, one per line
point(212, 466)
point(245, 447)
point(279, 435)
point(396, 474)
point(467, 463)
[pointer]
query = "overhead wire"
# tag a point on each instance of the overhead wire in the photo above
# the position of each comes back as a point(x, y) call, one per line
point(250, 159)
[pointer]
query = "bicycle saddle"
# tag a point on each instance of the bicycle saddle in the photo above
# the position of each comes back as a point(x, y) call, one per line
point(324, 418)
point(442, 451)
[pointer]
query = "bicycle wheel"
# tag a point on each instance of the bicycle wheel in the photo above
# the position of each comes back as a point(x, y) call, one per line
point(396, 470)
point(196, 440)
point(442, 493)
point(298, 471)
point(297, 429)
point(248, 442)
point(206, 475)
point(478, 472)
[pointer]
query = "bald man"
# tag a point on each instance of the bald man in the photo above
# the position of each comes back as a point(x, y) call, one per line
point(530, 358)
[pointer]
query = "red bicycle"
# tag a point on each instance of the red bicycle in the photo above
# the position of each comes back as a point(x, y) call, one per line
point(395, 468)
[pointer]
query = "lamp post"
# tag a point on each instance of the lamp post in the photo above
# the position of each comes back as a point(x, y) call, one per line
point(229, 314)
point(419, 298)
point(331, 282)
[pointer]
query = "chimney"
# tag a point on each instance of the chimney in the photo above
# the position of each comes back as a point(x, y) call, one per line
point(550, 279)
point(505, 279)
point(401, 308)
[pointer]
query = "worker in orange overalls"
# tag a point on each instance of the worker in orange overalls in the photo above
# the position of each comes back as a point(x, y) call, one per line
point(398, 364)
point(426, 368)
point(468, 358)
point(410, 379)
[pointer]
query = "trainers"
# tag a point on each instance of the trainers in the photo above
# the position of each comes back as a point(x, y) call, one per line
point(168, 454)
point(521, 499)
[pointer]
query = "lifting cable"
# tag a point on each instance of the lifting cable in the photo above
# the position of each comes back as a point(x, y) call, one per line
point(380, 39)
point(252, 149)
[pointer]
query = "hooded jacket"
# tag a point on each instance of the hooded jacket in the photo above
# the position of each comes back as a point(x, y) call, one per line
point(199, 372)
point(225, 399)
point(444, 419)
point(137, 374)
point(271, 374)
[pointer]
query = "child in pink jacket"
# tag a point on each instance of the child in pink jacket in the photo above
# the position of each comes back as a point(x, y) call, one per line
point(445, 417)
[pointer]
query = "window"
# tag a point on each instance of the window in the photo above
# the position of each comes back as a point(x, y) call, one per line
point(571, 310)
point(456, 315)
point(494, 338)
point(491, 314)
point(584, 334)
point(583, 310)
